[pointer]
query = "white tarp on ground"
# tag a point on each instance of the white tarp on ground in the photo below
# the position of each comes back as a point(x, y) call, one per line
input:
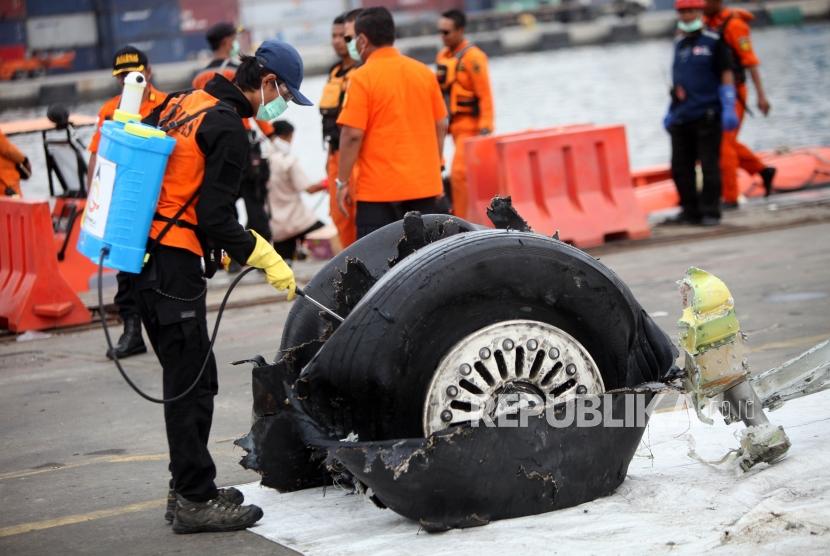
point(669, 503)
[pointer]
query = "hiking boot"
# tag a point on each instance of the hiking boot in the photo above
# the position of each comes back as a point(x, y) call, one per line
point(215, 515)
point(730, 205)
point(130, 342)
point(229, 494)
point(768, 174)
point(709, 221)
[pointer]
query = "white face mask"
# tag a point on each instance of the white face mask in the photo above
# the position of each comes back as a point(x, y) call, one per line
point(691, 26)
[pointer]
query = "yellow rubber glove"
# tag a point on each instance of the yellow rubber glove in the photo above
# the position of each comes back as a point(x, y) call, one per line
point(277, 272)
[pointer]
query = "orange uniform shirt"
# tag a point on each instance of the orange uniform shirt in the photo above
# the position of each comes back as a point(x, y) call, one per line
point(153, 98)
point(396, 101)
point(736, 35)
point(474, 76)
point(10, 157)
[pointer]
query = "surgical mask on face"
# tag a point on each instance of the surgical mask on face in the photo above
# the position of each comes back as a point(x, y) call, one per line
point(353, 53)
point(272, 110)
point(691, 26)
point(234, 49)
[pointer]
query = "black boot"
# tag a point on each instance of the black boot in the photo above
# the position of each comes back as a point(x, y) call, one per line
point(130, 342)
point(768, 174)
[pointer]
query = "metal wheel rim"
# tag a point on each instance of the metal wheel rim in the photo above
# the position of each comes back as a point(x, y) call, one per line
point(535, 360)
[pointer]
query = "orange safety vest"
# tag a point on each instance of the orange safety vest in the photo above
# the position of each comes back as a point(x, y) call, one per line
point(458, 99)
point(175, 219)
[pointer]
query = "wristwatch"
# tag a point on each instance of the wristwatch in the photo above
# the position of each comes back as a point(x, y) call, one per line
point(340, 184)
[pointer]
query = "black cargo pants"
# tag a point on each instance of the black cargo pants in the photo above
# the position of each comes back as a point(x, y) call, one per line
point(170, 297)
point(693, 142)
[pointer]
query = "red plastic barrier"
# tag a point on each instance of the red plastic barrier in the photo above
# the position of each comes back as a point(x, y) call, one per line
point(577, 181)
point(481, 159)
point(76, 269)
point(33, 293)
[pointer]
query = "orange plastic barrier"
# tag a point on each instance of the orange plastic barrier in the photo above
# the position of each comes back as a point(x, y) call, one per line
point(33, 293)
point(76, 269)
point(577, 181)
point(483, 171)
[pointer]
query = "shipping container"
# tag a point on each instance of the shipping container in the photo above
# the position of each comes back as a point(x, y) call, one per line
point(436, 6)
point(297, 33)
point(195, 46)
point(473, 6)
point(12, 52)
point(139, 23)
point(198, 15)
point(263, 13)
point(62, 31)
point(39, 8)
point(159, 50)
point(12, 32)
point(12, 9)
point(87, 58)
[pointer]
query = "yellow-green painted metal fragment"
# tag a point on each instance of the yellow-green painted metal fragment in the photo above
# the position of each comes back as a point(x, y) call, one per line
point(709, 312)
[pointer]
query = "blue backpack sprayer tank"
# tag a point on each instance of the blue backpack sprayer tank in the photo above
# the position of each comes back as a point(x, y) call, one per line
point(126, 183)
point(125, 188)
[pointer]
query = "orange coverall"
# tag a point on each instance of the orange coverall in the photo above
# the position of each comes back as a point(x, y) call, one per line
point(346, 229)
point(10, 157)
point(734, 154)
point(472, 75)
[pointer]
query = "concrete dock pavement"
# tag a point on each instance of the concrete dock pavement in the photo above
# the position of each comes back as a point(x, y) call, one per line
point(83, 467)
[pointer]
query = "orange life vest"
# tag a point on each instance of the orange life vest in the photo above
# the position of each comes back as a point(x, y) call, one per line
point(175, 217)
point(331, 102)
point(458, 99)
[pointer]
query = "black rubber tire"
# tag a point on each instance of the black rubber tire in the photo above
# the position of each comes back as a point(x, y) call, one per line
point(305, 323)
point(371, 376)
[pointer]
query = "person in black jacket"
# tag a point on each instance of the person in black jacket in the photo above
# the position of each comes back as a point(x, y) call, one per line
point(194, 216)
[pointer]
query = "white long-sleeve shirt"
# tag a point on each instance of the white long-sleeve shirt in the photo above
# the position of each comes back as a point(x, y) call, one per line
point(289, 215)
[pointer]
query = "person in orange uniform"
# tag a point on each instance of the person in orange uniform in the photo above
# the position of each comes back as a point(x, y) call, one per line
point(465, 81)
point(331, 103)
point(126, 60)
point(733, 26)
point(14, 165)
point(393, 124)
point(194, 217)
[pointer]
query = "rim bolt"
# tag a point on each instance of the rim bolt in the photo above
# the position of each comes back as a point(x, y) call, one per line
point(465, 369)
point(553, 353)
point(581, 389)
point(507, 344)
point(570, 369)
point(484, 353)
point(532, 345)
point(446, 415)
point(452, 391)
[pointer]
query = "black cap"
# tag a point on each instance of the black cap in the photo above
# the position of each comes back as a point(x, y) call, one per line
point(127, 59)
point(217, 32)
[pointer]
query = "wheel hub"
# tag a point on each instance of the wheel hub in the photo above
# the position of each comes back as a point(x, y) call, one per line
point(506, 367)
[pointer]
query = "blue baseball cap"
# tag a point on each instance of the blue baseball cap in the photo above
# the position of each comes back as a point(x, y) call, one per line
point(283, 59)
